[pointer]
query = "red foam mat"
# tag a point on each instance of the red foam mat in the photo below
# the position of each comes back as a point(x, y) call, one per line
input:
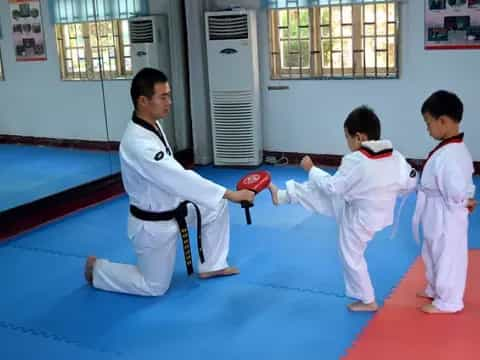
point(401, 331)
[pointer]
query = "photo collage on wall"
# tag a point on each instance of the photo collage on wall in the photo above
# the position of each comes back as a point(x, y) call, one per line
point(452, 24)
point(27, 30)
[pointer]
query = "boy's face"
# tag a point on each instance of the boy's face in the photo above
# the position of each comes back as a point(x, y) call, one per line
point(435, 126)
point(354, 142)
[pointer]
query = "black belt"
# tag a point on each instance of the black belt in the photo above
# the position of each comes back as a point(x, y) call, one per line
point(179, 214)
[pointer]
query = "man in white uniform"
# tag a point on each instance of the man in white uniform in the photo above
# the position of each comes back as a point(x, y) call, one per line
point(444, 198)
point(361, 196)
point(164, 197)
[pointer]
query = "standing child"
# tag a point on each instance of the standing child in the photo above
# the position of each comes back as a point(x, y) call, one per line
point(445, 195)
point(361, 196)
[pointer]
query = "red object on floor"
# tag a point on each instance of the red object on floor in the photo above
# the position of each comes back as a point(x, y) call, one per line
point(401, 331)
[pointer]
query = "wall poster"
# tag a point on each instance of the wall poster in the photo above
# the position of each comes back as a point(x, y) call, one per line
point(452, 24)
point(27, 30)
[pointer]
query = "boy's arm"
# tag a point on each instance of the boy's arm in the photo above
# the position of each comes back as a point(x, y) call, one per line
point(410, 178)
point(412, 181)
point(471, 202)
point(455, 187)
point(339, 183)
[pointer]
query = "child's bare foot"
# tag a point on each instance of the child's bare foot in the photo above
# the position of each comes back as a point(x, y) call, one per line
point(423, 294)
point(89, 264)
point(431, 309)
point(274, 192)
point(360, 306)
point(228, 271)
point(471, 205)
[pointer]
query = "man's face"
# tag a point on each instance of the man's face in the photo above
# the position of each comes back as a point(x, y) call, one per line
point(434, 126)
point(159, 104)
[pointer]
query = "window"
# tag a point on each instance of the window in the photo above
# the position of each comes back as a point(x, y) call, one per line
point(335, 41)
point(94, 50)
point(1, 67)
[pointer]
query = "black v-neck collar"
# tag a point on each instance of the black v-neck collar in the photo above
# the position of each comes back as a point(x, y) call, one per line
point(155, 130)
point(143, 123)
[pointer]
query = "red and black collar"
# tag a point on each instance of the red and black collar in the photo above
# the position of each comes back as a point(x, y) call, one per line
point(369, 153)
point(451, 140)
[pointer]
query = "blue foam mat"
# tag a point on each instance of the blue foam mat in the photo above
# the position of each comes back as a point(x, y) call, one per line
point(33, 172)
point(287, 302)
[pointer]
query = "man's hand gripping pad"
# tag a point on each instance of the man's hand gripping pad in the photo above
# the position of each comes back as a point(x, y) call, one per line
point(256, 182)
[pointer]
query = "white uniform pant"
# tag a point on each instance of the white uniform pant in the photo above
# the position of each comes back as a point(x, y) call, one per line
point(352, 238)
point(155, 247)
point(445, 253)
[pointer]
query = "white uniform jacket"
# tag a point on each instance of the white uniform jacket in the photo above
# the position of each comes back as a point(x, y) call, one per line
point(445, 187)
point(367, 182)
point(155, 181)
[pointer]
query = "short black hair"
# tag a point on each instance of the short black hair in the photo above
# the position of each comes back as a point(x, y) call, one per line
point(144, 82)
point(363, 120)
point(444, 103)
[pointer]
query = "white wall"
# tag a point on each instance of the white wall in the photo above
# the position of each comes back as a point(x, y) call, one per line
point(309, 116)
point(35, 102)
point(306, 118)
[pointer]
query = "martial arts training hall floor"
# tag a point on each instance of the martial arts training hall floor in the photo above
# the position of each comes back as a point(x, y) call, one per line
point(33, 172)
point(288, 302)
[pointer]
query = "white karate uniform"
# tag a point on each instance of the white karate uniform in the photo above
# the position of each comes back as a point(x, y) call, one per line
point(361, 195)
point(155, 181)
point(445, 187)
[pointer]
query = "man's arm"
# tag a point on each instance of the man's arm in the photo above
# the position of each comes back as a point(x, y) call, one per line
point(166, 173)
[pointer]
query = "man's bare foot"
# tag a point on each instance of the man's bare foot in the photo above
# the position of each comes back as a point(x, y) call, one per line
point(360, 306)
point(431, 309)
point(423, 294)
point(274, 193)
point(89, 264)
point(228, 271)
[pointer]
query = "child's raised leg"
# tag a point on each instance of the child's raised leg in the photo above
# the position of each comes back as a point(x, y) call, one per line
point(308, 196)
point(274, 193)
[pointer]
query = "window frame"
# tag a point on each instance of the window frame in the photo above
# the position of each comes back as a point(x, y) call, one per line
point(88, 47)
point(2, 69)
point(316, 69)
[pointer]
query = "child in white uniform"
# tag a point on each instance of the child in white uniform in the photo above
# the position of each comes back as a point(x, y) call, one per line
point(361, 196)
point(445, 195)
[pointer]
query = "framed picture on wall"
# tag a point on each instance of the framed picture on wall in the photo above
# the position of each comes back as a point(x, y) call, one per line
point(452, 24)
point(27, 30)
